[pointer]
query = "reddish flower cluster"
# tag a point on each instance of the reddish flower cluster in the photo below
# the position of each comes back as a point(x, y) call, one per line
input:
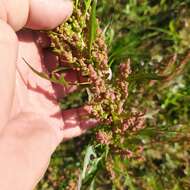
point(107, 94)
point(136, 122)
point(103, 137)
point(110, 168)
point(124, 152)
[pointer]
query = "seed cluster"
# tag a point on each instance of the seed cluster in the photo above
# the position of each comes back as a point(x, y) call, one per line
point(107, 93)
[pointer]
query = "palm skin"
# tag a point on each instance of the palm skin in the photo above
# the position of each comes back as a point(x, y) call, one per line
point(31, 122)
point(36, 125)
point(38, 96)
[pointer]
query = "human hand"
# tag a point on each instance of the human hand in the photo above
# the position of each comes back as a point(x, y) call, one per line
point(32, 124)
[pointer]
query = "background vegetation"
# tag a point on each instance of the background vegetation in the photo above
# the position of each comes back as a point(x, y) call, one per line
point(155, 35)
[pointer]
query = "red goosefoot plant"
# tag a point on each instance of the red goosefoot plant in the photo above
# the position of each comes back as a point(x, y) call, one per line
point(79, 45)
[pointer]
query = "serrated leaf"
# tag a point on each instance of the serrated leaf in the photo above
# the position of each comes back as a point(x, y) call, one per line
point(41, 74)
point(52, 79)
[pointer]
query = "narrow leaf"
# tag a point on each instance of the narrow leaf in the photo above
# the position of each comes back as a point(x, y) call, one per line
point(92, 26)
point(87, 5)
point(43, 75)
point(146, 76)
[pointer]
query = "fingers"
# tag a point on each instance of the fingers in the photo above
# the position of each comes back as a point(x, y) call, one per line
point(76, 122)
point(8, 55)
point(35, 14)
point(71, 123)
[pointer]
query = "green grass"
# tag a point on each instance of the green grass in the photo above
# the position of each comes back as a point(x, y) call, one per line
point(155, 35)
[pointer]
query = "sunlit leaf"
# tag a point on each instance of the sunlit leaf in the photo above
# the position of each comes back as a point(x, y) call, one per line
point(92, 26)
point(46, 76)
point(87, 5)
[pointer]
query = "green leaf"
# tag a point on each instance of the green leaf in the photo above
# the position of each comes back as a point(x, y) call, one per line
point(62, 80)
point(87, 159)
point(52, 79)
point(89, 153)
point(76, 3)
point(41, 74)
point(87, 5)
point(129, 182)
point(92, 26)
point(61, 69)
point(146, 76)
point(91, 162)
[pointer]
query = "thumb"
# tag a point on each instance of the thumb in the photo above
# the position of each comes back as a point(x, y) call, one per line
point(8, 55)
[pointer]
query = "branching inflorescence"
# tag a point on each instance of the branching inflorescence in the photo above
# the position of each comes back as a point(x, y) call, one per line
point(80, 46)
